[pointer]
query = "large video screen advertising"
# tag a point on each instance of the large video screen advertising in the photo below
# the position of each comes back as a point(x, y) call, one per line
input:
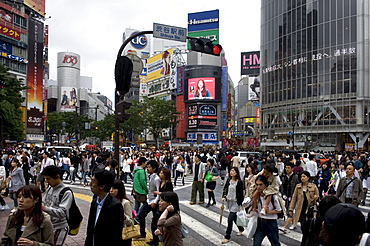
point(202, 88)
point(202, 83)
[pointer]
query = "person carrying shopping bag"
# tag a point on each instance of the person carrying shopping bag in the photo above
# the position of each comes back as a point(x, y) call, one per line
point(233, 194)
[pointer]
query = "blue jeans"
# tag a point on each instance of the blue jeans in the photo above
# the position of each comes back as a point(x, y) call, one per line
point(267, 228)
point(143, 212)
point(230, 220)
point(83, 175)
point(137, 206)
point(13, 196)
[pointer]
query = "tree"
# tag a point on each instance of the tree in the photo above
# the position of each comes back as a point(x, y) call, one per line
point(68, 123)
point(10, 106)
point(105, 128)
point(154, 115)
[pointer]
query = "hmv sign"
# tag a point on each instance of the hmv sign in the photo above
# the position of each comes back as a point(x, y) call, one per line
point(250, 63)
point(69, 59)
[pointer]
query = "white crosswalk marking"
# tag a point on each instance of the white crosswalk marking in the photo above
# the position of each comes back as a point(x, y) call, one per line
point(202, 229)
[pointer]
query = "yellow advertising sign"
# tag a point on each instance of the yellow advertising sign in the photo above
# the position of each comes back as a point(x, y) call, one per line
point(249, 120)
point(159, 65)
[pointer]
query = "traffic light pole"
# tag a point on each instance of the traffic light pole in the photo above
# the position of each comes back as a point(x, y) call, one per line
point(119, 96)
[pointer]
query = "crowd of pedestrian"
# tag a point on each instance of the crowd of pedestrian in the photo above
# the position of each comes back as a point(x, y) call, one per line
point(316, 193)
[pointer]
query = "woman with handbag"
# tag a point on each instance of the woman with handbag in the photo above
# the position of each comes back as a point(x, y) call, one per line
point(180, 169)
point(16, 181)
point(233, 194)
point(304, 196)
point(211, 185)
point(169, 224)
point(118, 191)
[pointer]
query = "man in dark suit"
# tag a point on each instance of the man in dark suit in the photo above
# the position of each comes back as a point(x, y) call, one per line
point(106, 213)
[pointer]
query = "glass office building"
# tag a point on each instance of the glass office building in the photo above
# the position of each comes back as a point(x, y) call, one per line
point(315, 71)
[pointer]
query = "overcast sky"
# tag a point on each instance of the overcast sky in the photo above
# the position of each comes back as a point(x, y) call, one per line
point(93, 29)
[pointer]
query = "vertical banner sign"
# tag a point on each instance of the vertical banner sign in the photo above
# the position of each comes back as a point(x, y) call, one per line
point(35, 76)
point(229, 107)
point(224, 89)
point(181, 127)
point(180, 80)
point(258, 116)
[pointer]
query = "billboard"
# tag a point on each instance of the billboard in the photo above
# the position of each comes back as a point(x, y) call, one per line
point(202, 116)
point(204, 25)
point(206, 20)
point(36, 5)
point(250, 63)
point(202, 83)
point(202, 88)
point(139, 46)
point(35, 76)
point(159, 65)
point(254, 89)
point(68, 98)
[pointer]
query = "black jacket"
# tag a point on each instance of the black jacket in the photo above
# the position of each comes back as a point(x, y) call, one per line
point(288, 184)
point(108, 228)
point(239, 191)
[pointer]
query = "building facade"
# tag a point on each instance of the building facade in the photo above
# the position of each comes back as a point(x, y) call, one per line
point(315, 74)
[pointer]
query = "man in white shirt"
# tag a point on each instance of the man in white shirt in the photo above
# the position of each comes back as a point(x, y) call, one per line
point(311, 167)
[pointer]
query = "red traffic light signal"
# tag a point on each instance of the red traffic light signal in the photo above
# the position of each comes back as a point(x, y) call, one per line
point(205, 45)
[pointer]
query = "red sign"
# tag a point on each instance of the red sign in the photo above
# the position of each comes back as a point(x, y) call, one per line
point(229, 107)
point(9, 32)
point(70, 59)
point(181, 127)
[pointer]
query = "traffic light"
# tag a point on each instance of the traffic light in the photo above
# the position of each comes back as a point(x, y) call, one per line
point(120, 111)
point(123, 73)
point(204, 45)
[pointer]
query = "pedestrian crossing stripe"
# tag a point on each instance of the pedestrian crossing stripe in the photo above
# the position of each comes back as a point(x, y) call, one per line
point(216, 237)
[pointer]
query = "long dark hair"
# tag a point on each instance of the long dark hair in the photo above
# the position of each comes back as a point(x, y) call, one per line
point(34, 192)
point(237, 173)
point(254, 170)
point(120, 186)
point(171, 197)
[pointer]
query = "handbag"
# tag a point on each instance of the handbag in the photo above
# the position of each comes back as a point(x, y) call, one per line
point(8, 182)
point(208, 176)
point(184, 231)
point(3, 185)
point(241, 218)
point(131, 231)
point(180, 168)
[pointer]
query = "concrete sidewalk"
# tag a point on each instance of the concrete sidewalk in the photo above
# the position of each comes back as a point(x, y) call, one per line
point(83, 202)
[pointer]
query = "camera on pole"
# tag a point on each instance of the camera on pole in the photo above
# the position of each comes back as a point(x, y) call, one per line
point(205, 45)
point(121, 114)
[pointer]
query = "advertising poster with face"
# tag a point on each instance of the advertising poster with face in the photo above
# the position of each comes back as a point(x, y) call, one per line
point(68, 99)
point(202, 88)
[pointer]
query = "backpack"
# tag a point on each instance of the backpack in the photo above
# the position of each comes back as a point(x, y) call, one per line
point(100, 165)
point(75, 217)
point(282, 205)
